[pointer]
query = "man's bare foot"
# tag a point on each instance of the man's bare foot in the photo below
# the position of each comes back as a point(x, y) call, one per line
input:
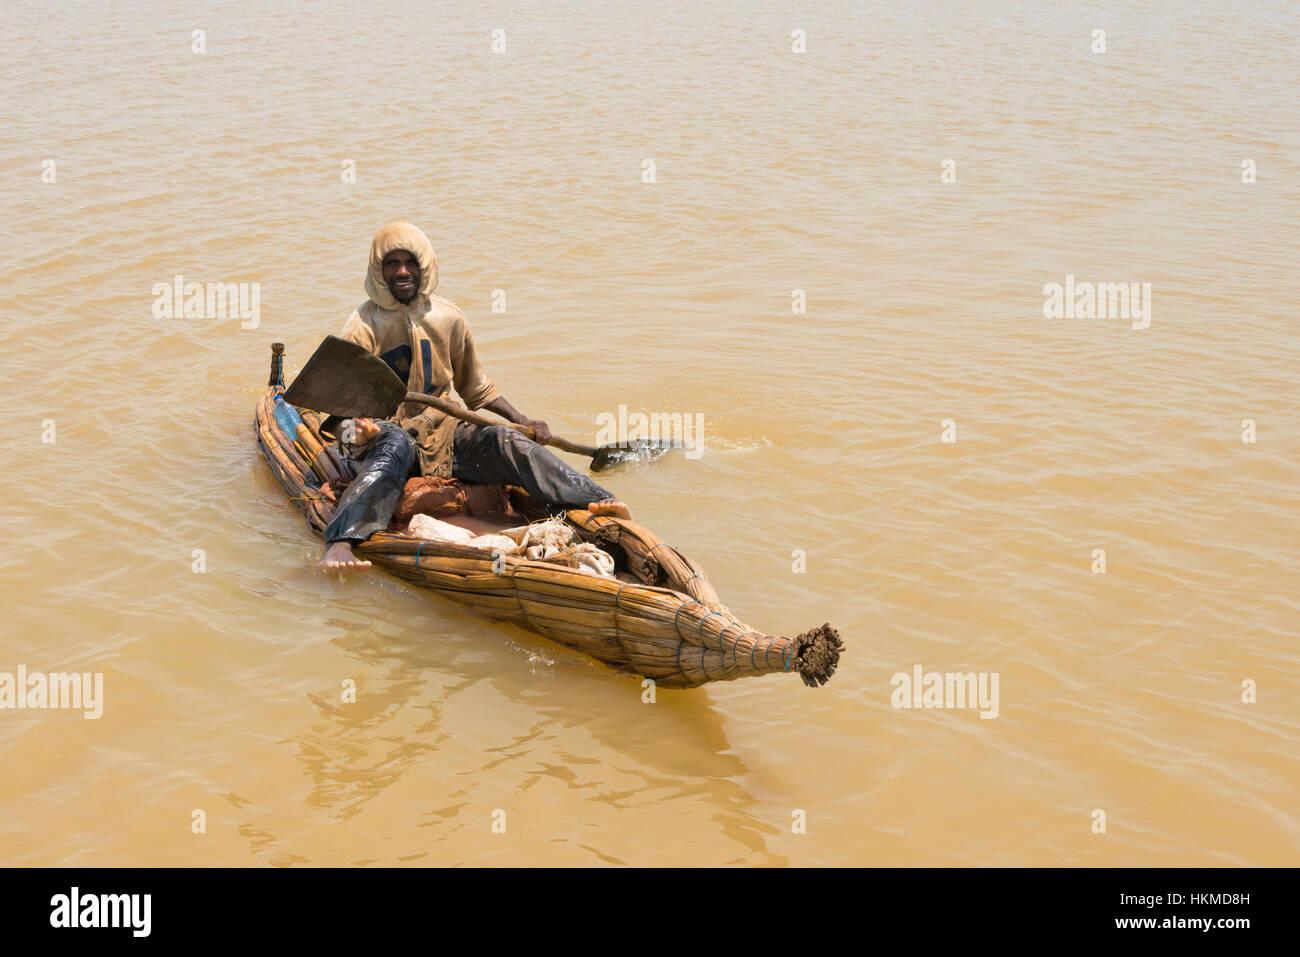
point(611, 507)
point(338, 557)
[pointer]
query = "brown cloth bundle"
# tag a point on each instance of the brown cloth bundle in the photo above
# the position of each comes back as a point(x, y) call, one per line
point(440, 497)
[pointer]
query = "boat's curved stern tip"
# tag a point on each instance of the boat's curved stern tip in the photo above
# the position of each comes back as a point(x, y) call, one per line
point(818, 654)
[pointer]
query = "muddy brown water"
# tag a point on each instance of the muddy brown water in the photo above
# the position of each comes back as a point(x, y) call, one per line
point(775, 172)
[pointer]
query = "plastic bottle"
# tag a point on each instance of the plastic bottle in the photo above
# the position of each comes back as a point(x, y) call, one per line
point(287, 417)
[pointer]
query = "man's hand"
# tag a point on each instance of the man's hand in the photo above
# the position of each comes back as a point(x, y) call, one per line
point(358, 432)
point(367, 429)
point(541, 431)
point(355, 435)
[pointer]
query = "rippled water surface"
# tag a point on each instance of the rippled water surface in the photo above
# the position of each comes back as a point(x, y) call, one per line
point(775, 172)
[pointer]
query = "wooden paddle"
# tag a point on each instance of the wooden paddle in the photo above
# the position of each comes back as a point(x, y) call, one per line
point(478, 418)
point(345, 379)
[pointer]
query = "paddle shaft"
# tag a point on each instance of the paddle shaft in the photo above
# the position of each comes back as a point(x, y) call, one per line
point(477, 418)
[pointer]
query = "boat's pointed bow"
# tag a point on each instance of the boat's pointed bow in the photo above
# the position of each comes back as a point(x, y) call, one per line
point(818, 654)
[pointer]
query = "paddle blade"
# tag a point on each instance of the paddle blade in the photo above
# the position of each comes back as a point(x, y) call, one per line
point(639, 450)
point(345, 379)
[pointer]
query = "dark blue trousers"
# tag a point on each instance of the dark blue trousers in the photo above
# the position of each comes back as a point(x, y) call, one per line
point(487, 455)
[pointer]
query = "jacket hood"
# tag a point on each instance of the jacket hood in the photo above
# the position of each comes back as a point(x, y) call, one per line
point(400, 236)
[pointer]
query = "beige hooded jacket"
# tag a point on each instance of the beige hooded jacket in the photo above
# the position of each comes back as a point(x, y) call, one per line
point(426, 342)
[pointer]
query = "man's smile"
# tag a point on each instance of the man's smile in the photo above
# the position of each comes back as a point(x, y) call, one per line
point(401, 270)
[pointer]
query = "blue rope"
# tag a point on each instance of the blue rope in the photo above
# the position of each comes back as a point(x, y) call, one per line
point(679, 635)
point(735, 659)
point(693, 601)
point(617, 634)
point(417, 555)
point(722, 648)
point(703, 620)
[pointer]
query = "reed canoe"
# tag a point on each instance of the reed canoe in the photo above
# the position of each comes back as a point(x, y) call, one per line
point(660, 618)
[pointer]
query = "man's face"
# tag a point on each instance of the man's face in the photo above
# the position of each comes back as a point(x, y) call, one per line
point(402, 273)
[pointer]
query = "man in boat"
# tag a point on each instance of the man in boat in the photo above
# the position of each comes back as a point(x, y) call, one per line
point(426, 341)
